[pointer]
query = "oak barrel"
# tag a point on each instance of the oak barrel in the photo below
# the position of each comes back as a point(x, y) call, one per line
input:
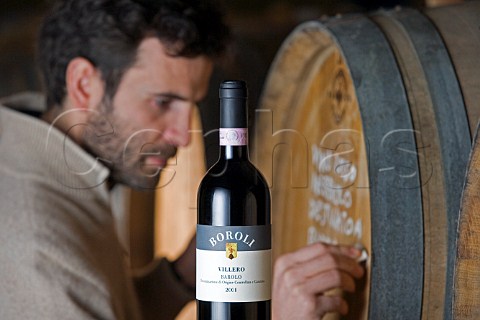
point(364, 133)
point(466, 304)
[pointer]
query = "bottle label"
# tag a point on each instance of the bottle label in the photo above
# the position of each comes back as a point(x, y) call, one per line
point(234, 263)
point(233, 136)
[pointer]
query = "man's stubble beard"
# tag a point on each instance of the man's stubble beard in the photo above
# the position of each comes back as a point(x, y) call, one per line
point(107, 138)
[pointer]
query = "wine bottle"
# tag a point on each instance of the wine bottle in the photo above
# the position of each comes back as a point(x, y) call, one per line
point(233, 278)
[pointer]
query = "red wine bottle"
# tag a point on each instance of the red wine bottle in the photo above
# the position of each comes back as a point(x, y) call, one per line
point(234, 265)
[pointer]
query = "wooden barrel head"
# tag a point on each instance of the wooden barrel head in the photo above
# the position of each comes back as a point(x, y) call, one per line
point(323, 193)
point(337, 203)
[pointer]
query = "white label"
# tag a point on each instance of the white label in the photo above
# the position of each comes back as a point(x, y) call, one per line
point(234, 276)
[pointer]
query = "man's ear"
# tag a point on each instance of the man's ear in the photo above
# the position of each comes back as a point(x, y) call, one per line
point(84, 84)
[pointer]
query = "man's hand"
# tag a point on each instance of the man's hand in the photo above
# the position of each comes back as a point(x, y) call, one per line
point(302, 278)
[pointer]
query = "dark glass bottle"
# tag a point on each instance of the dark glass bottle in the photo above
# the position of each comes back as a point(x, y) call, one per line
point(234, 224)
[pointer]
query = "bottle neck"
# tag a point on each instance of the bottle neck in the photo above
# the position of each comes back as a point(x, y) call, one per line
point(234, 143)
point(234, 153)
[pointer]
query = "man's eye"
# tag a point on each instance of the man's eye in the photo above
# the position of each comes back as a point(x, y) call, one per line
point(163, 102)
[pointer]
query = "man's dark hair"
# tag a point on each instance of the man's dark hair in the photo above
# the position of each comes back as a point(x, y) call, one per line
point(108, 33)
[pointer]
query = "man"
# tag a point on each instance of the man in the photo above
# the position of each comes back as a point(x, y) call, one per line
point(121, 79)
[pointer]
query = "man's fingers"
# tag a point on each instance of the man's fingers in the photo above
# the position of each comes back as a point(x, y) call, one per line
point(352, 252)
point(330, 262)
point(312, 260)
point(320, 283)
point(301, 255)
point(321, 267)
point(327, 281)
point(327, 304)
point(313, 251)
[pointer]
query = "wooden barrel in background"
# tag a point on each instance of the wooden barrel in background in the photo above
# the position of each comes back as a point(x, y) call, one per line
point(459, 27)
point(435, 101)
point(363, 133)
point(466, 304)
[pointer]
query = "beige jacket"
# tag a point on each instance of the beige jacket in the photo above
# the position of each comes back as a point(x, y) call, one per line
point(60, 257)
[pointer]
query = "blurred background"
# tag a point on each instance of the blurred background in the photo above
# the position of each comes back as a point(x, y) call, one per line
point(259, 27)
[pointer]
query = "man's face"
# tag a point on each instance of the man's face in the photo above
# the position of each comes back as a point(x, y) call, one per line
point(149, 116)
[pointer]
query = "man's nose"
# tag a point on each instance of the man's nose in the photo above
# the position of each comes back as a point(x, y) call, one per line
point(177, 130)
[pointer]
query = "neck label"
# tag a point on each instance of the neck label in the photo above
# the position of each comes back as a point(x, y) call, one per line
point(233, 136)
